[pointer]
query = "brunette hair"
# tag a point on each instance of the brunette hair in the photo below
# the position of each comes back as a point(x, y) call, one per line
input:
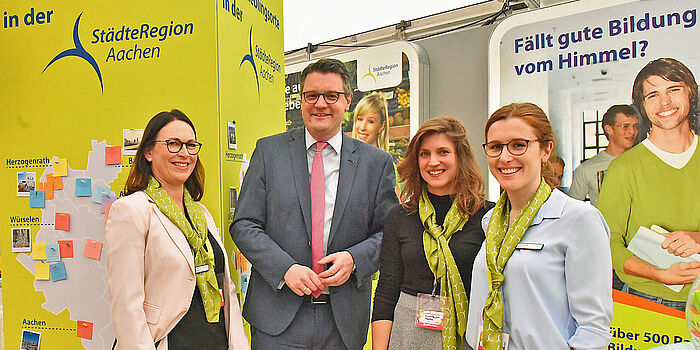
point(671, 70)
point(537, 119)
point(610, 116)
point(141, 171)
point(328, 65)
point(469, 186)
point(374, 103)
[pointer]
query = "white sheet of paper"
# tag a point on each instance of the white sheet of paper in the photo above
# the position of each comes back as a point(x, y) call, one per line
point(646, 245)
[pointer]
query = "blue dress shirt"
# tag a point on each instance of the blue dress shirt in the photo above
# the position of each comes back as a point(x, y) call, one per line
point(557, 297)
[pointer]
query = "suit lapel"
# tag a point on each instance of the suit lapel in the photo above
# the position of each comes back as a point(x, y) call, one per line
point(176, 235)
point(348, 167)
point(300, 172)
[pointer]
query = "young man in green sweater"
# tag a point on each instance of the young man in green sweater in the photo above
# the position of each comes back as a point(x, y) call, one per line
point(656, 183)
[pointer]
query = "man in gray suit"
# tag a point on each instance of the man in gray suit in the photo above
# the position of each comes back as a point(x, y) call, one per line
point(292, 304)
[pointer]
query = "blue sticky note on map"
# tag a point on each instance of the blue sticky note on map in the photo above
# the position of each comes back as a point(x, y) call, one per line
point(58, 271)
point(36, 199)
point(244, 283)
point(98, 192)
point(83, 187)
point(53, 253)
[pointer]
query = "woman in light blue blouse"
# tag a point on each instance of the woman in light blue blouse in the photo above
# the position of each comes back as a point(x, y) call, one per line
point(542, 279)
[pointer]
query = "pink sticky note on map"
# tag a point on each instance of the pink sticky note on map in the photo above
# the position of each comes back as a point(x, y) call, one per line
point(113, 155)
point(62, 221)
point(107, 208)
point(93, 249)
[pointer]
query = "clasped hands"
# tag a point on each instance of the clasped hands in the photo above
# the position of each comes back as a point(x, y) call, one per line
point(302, 280)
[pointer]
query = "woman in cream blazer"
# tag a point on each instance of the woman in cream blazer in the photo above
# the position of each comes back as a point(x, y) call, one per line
point(151, 270)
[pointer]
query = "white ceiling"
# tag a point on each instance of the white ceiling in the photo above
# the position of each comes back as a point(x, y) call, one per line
point(317, 21)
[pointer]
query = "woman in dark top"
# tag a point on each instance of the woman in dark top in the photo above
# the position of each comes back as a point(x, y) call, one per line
point(430, 242)
point(167, 271)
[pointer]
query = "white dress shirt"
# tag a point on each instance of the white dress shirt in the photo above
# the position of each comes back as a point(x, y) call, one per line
point(331, 168)
point(557, 297)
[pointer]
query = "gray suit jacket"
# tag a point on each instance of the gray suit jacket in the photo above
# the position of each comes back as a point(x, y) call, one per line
point(272, 228)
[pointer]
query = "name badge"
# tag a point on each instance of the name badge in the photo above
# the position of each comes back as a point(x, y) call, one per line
point(431, 311)
point(530, 246)
point(201, 268)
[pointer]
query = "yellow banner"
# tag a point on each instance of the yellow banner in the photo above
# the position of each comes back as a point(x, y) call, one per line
point(81, 79)
point(642, 324)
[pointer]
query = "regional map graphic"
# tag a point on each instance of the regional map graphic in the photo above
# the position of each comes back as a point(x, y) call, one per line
point(78, 217)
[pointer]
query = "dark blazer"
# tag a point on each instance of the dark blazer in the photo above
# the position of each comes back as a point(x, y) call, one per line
point(272, 228)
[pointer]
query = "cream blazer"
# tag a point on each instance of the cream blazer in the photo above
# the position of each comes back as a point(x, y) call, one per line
point(151, 279)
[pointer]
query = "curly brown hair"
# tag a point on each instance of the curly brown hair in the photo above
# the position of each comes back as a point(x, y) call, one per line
point(468, 185)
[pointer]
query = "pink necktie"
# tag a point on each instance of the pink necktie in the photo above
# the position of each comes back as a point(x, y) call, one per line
point(318, 207)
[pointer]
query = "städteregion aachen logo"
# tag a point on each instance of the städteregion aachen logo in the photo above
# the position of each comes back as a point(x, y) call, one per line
point(369, 73)
point(250, 58)
point(78, 51)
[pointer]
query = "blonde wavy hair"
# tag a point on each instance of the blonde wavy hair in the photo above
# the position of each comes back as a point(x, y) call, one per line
point(374, 103)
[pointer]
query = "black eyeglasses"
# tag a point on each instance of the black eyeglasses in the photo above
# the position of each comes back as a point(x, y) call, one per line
point(174, 146)
point(331, 97)
point(515, 147)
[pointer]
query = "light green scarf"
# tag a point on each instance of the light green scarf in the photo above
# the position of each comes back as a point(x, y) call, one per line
point(197, 238)
point(440, 260)
point(501, 240)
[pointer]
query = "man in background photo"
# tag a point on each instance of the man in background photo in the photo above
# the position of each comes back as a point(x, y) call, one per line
point(620, 125)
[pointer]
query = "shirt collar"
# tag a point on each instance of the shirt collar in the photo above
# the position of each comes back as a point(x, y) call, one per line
point(552, 208)
point(335, 142)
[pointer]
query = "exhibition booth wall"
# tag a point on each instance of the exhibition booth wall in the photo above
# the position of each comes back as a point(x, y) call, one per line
point(82, 79)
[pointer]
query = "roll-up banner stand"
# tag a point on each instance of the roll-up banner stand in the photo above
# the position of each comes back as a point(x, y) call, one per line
point(397, 71)
point(80, 81)
point(575, 61)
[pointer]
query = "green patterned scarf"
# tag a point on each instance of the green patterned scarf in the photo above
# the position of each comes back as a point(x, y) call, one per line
point(501, 240)
point(440, 260)
point(197, 238)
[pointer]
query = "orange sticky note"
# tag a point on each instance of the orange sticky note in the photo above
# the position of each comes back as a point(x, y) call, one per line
point(62, 221)
point(66, 248)
point(39, 251)
point(93, 249)
point(60, 167)
point(241, 262)
point(85, 330)
point(41, 270)
point(113, 155)
point(56, 181)
point(47, 187)
point(107, 208)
